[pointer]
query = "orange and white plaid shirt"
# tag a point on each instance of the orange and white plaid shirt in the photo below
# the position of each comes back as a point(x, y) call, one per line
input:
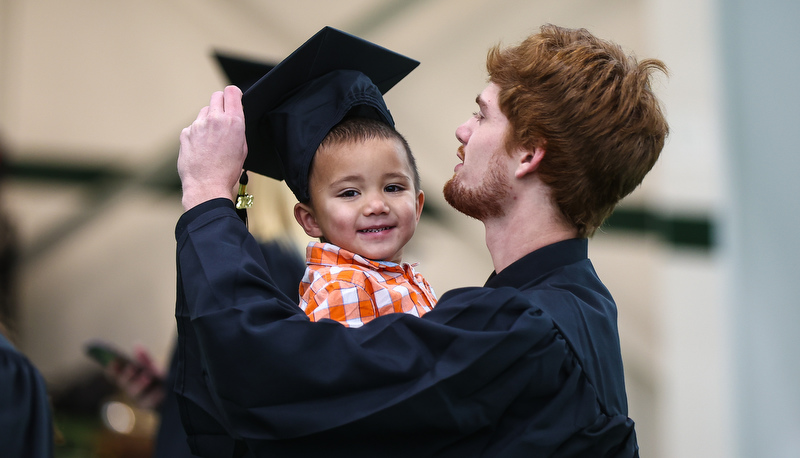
point(353, 290)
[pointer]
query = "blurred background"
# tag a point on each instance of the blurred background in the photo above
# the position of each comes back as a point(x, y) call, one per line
point(702, 259)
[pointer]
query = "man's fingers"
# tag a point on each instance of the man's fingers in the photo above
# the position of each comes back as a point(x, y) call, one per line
point(232, 99)
point(203, 113)
point(228, 101)
point(217, 103)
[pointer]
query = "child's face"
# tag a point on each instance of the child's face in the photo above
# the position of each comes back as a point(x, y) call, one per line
point(363, 198)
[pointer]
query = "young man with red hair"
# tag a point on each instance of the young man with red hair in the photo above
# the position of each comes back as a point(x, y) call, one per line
point(528, 365)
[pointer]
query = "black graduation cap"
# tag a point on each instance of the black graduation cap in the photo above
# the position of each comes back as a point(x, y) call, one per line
point(289, 110)
point(241, 71)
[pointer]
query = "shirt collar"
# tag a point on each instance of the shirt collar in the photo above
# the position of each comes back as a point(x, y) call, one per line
point(539, 262)
point(315, 254)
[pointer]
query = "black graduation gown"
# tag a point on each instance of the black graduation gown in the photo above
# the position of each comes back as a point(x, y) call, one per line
point(26, 422)
point(527, 366)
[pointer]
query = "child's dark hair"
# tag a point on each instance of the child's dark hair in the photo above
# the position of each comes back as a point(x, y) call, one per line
point(357, 129)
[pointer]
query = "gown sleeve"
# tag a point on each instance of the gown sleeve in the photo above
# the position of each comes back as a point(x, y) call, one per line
point(266, 375)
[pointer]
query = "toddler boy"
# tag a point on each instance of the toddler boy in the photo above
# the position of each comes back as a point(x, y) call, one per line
point(365, 205)
point(318, 121)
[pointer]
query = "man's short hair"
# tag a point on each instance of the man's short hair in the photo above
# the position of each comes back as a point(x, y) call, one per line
point(591, 107)
point(357, 129)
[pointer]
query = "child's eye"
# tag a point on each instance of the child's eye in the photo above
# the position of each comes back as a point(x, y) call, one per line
point(394, 188)
point(348, 193)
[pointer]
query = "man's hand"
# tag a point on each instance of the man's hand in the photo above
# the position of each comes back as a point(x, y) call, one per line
point(213, 150)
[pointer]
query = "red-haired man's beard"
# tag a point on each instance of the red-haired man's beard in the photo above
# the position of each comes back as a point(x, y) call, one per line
point(482, 202)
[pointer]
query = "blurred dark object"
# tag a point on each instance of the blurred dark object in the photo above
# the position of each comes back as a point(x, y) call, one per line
point(9, 255)
point(84, 395)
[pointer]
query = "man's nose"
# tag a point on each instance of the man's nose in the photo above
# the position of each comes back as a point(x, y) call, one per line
point(463, 133)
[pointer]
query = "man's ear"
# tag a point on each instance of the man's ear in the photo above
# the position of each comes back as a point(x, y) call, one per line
point(304, 215)
point(529, 161)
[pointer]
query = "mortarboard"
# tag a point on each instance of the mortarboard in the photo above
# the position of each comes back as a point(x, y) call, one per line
point(240, 71)
point(292, 108)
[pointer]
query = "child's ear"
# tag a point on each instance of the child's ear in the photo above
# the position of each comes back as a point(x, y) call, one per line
point(304, 215)
point(420, 203)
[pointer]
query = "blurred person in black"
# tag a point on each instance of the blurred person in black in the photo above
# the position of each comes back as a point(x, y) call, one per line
point(26, 418)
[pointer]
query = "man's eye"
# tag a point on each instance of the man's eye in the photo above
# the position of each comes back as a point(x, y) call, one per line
point(478, 115)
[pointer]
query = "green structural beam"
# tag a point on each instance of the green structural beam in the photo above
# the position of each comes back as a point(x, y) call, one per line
point(677, 230)
point(163, 179)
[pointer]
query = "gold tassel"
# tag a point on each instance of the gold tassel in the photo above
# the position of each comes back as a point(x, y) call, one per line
point(243, 200)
